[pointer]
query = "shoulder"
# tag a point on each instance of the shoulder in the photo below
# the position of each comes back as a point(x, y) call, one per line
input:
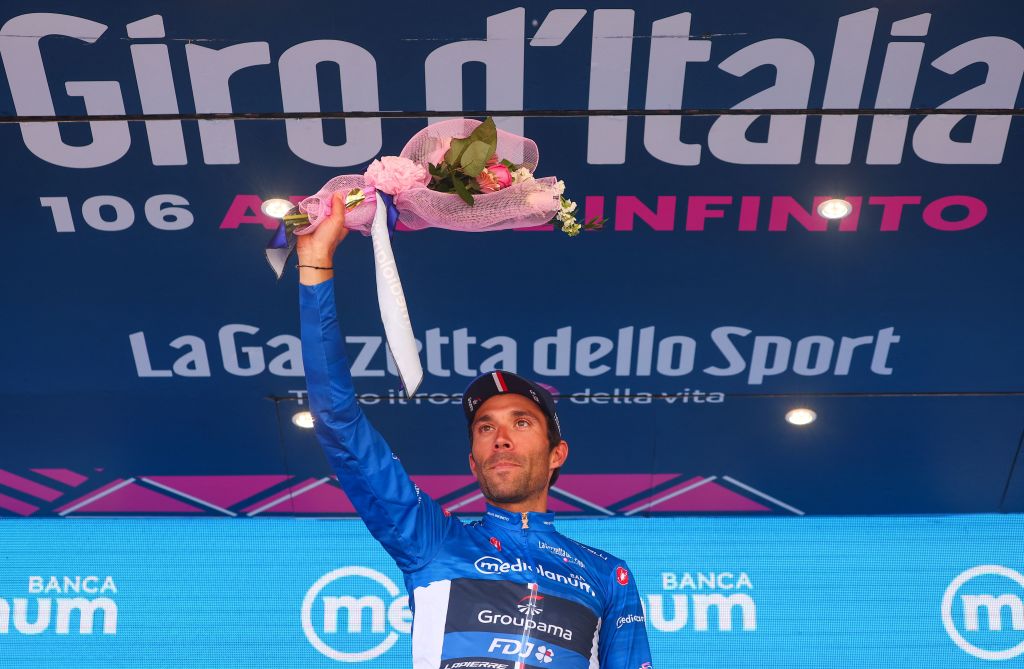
point(600, 560)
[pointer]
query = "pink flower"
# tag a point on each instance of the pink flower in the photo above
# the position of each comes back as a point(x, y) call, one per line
point(395, 175)
point(441, 147)
point(493, 178)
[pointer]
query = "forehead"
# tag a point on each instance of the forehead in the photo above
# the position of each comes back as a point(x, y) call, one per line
point(509, 402)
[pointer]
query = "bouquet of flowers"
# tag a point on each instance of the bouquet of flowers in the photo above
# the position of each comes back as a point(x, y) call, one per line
point(458, 174)
point(490, 171)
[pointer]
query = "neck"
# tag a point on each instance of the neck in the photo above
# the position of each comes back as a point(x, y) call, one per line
point(535, 504)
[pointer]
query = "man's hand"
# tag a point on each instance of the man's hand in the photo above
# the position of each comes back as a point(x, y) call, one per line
point(317, 248)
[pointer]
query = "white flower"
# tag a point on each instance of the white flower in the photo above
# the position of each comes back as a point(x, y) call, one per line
point(522, 175)
point(568, 206)
point(560, 186)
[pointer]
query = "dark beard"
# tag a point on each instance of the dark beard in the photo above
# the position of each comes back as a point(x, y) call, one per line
point(493, 497)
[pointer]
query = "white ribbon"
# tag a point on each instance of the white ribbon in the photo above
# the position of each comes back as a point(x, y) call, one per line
point(394, 313)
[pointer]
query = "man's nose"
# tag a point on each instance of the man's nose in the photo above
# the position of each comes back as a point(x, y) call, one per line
point(502, 439)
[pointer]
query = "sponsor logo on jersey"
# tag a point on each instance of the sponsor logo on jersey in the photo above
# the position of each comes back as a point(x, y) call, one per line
point(562, 553)
point(489, 617)
point(522, 649)
point(496, 542)
point(622, 621)
point(621, 575)
point(493, 565)
point(500, 608)
point(544, 654)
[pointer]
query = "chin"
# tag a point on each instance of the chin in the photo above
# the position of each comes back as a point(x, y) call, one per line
point(504, 494)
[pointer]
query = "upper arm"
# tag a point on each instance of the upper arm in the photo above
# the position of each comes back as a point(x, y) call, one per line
point(623, 641)
point(407, 522)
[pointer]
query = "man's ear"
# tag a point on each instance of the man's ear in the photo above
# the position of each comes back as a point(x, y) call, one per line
point(559, 454)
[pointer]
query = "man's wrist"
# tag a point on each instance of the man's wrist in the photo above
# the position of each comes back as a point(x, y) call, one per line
point(316, 259)
point(308, 276)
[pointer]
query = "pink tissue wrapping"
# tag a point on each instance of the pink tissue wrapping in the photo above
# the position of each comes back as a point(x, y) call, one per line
point(520, 205)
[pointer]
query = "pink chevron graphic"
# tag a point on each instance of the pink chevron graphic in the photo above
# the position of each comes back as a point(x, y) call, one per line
point(437, 486)
point(191, 495)
point(133, 498)
point(28, 487)
point(607, 489)
point(17, 506)
point(695, 495)
point(473, 503)
point(560, 506)
point(65, 476)
point(286, 498)
point(85, 499)
point(652, 499)
point(326, 499)
point(221, 491)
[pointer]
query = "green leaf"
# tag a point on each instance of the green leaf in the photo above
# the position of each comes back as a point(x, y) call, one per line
point(454, 153)
point(461, 191)
point(474, 158)
point(509, 164)
point(487, 133)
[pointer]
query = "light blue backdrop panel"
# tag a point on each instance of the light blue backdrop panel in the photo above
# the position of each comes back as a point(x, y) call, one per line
point(939, 591)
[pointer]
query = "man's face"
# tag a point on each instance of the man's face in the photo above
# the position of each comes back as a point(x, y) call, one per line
point(510, 454)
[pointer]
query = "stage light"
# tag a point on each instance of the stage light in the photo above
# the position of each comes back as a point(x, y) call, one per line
point(800, 417)
point(276, 207)
point(835, 209)
point(303, 419)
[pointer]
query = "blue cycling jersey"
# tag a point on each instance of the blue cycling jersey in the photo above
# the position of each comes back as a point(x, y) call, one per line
point(505, 592)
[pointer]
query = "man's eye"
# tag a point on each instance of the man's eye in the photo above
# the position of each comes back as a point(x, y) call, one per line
point(484, 428)
point(522, 422)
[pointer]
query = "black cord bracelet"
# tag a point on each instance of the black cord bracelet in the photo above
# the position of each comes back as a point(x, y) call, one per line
point(314, 267)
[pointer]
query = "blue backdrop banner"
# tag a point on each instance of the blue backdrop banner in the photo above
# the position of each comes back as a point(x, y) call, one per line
point(725, 593)
point(143, 330)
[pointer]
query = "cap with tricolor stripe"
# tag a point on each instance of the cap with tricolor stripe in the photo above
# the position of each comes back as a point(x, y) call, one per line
point(499, 382)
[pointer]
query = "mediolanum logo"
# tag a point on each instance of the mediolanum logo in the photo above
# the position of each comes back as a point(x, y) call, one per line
point(63, 604)
point(983, 612)
point(354, 614)
point(490, 564)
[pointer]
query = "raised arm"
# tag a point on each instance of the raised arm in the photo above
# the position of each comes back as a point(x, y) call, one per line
point(405, 521)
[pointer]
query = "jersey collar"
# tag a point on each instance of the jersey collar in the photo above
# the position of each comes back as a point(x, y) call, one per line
point(511, 521)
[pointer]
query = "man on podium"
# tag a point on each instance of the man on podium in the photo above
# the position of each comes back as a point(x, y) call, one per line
point(508, 591)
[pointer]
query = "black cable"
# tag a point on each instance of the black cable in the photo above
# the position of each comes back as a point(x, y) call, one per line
point(533, 113)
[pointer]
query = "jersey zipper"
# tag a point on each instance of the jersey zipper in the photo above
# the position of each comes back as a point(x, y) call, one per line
point(526, 644)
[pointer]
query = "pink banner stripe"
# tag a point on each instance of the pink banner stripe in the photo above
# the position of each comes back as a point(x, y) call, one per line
point(66, 476)
point(279, 496)
point(17, 506)
point(28, 487)
point(223, 491)
point(654, 498)
point(89, 495)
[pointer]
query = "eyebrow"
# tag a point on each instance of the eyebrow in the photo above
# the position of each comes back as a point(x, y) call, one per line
point(516, 413)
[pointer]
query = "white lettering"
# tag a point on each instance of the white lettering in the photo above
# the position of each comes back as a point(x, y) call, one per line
point(357, 80)
point(30, 91)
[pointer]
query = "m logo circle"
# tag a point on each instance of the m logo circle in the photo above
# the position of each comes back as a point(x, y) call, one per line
point(984, 612)
point(321, 612)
